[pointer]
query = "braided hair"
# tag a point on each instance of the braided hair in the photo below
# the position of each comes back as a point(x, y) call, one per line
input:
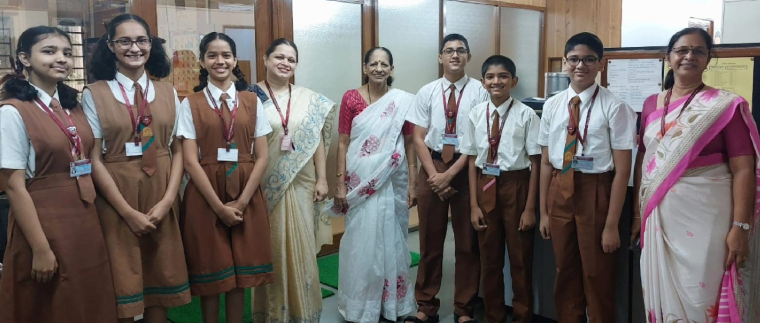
point(241, 84)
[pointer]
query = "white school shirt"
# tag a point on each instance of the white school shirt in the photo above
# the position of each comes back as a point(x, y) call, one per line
point(186, 127)
point(429, 110)
point(129, 87)
point(16, 151)
point(519, 137)
point(612, 127)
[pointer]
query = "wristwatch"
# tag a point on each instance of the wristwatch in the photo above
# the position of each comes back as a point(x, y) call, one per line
point(744, 226)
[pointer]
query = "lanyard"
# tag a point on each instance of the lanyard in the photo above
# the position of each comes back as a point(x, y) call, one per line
point(286, 117)
point(573, 125)
point(494, 141)
point(70, 131)
point(451, 115)
point(227, 132)
point(140, 111)
point(686, 105)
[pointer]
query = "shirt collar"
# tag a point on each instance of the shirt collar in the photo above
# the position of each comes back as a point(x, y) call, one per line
point(503, 107)
point(129, 84)
point(585, 95)
point(459, 84)
point(216, 92)
point(44, 97)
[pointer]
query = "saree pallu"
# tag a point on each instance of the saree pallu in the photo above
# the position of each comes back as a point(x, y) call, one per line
point(298, 230)
point(374, 256)
point(687, 201)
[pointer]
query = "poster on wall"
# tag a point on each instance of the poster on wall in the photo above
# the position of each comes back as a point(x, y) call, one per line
point(731, 74)
point(633, 80)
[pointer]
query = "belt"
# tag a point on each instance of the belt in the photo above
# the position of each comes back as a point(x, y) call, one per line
point(436, 155)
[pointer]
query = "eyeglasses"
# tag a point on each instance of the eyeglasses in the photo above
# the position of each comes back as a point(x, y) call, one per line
point(697, 51)
point(588, 60)
point(126, 43)
point(450, 51)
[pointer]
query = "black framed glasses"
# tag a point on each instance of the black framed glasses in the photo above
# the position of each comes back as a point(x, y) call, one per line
point(126, 43)
point(697, 51)
point(588, 60)
point(461, 51)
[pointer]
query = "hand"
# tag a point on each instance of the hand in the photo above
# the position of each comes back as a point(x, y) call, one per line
point(610, 239)
point(446, 193)
point(738, 246)
point(340, 197)
point(635, 229)
point(545, 228)
point(439, 182)
point(229, 215)
point(158, 212)
point(527, 220)
point(320, 191)
point(238, 204)
point(478, 220)
point(411, 198)
point(139, 223)
point(44, 266)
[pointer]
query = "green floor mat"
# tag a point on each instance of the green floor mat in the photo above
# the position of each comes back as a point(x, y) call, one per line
point(191, 313)
point(328, 268)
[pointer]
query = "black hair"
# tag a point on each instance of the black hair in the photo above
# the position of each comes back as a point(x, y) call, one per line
point(670, 78)
point(103, 63)
point(241, 84)
point(281, 41)
point(390, 60)
point(15, 85)
point(587, 39)
point(500, 60)
point(454, 37)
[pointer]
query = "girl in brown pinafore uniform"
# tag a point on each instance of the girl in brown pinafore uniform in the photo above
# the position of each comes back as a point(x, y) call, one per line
point(137, 172)
point(54, 231)
point(225, 222)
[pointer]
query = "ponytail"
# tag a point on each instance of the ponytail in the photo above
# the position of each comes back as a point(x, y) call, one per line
point(241, 84)
point(669, 80)
point(202, 81)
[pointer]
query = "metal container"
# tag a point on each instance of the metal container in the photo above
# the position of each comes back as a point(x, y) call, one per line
point(555, 83)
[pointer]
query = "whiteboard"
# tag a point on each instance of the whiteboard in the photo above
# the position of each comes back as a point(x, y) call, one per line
point(633, 80)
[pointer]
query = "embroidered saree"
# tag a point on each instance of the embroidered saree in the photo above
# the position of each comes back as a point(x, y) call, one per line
point(686, 202)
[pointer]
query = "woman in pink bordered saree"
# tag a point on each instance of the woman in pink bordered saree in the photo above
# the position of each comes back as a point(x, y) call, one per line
point(697, 178)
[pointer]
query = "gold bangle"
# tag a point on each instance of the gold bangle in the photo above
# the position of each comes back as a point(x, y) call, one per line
point(340, 174)
point(413, 165)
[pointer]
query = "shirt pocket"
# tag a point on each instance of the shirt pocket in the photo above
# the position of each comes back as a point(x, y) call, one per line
point(516, 139)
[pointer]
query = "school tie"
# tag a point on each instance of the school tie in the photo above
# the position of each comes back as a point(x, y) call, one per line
point(233, 183)
point(567, 182)
point(448, 150)
point(84, 182)
point(149, 158)
point(489, 194)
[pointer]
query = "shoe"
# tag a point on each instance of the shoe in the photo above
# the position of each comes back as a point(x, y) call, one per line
point(456, 320)
point(414, 319)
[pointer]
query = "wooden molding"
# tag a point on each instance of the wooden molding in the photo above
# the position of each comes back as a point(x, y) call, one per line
point(370, 28)
point(146, 9)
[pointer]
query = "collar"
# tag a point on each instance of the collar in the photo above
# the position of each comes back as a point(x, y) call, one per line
point(585, 95)
point(44, 97)
point(129, 84)
point(216, 92)
point(502, 109)
point(459, 84)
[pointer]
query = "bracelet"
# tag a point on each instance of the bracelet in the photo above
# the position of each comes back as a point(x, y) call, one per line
point(413, 165)
point(340, 174)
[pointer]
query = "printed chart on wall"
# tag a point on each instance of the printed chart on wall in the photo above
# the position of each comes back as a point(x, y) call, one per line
point(633, 80)
point(731, 74)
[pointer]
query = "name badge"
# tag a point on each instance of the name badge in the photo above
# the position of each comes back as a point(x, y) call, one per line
point(583, 163)
point(228, 156)
point(450, 139)
point(80, 167)
point(132, 149)
point(286, 143)
point(491, 169)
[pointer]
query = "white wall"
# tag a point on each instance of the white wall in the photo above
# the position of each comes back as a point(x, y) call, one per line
point(741, 22)
point(653, 22)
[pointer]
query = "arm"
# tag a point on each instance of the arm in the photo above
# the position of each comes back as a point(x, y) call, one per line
point(340, 183)
point(228, 214)
point(411, 159)
point(418, 137)
point(44, 263)
point(320, 190)
point(528, 218)
point(544, 181)
point(160, 210)
point(476, 214)
point(636, 223)
point(743, 189)
point(611, 233)
point(261, 150)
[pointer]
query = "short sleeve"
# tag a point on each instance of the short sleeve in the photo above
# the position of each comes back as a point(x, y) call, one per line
point(185, 125)
point(469, 146)
point(650, 105)
point(532, 128)
point(88, 105)
point(263, 127)
point(622, 125)
point(177, 107)
point(347, 113)
point(736, 137)
point(14, 141)
point(543, 130)
point(408, 129)
point(420, 111)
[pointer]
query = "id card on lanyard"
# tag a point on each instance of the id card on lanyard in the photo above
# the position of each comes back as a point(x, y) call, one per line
point(80, 166)
point(229, 153)
point(450, 116)
point(581, 162)
point(286, 142)
point(135, 148)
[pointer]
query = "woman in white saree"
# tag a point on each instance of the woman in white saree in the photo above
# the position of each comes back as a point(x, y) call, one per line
point(375, 193)
point(697, 174)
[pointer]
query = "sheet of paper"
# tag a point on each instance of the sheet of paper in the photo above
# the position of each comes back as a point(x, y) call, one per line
point(633, 80)
point(731, 74)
